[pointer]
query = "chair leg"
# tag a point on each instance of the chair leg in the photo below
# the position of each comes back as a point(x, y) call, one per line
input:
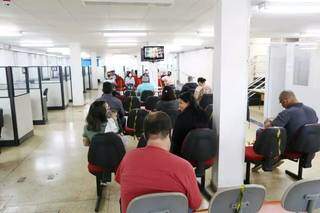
point(247, 180)
point(300, 171)
point(99, 192)
point(202, 187)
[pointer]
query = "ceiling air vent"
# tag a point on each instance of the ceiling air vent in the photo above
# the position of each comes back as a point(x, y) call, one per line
point(163, 3)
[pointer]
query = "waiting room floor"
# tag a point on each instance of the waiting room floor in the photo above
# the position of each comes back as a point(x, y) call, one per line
point(48, 173)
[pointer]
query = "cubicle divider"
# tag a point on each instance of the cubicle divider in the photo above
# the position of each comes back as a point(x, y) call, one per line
point(87, 78)
point(16, 104)
point(53, 79)
point(38, 98)
point(67, 71)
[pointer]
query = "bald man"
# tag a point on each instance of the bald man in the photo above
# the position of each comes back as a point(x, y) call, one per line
point(294, 116)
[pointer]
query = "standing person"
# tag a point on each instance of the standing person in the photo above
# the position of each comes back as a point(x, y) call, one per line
point(191, 117)
point(190, 86)
point(113, 102)
point(146, 85)
point(201, 89)
point(168, 100)
point(129, 81)
point(154, 169)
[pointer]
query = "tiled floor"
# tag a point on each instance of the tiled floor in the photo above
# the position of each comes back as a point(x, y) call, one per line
point(48, 172)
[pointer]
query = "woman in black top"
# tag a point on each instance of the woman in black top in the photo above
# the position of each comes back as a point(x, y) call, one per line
point(191, 117)
point(168, 100)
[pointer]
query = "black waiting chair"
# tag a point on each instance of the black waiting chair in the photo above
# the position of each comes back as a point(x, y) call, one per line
point(142, 142)
point(209, 111)
point(151, 103)
point(135, 120)
point(1, 121)
point(200, 148)
point(145, 94)
point(173, 114)
point(130, 103)
point(303, 148)
point(105, 154)
point(206, 100)
point(270, 144)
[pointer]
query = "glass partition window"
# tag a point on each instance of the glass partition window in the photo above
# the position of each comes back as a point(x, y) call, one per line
point(51, 74)
point(301, 67)
point(19, 77)
point(33, 78)
point(3, 83)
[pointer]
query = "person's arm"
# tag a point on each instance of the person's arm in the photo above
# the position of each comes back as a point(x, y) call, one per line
point(119, 172)
point(282, 119)
point(192, 190)
point(86, 141)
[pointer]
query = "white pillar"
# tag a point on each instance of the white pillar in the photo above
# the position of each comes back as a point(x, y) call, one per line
point(76, 73)
point(94, 70)
point(230, 83)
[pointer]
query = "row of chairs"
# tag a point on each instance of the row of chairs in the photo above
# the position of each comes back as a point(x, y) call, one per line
point(302, 196)
point(271, 146)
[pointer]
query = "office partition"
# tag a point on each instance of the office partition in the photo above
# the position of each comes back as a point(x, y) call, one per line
point(67, 70)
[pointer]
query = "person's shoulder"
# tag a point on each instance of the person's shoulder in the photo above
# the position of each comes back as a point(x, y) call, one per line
point(178, 162)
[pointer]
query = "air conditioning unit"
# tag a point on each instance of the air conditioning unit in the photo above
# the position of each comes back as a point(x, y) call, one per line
point(163, 3)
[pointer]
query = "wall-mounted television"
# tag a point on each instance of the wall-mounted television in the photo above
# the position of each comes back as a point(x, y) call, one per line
point(152, 53)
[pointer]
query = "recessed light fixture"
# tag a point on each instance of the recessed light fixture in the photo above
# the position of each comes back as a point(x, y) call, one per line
point(122, 40)
point(289, 7)
point(188, 42)
point(122, 44)
point(61, 50)
point(10, 31)
point(125, 34)
point(36, 43)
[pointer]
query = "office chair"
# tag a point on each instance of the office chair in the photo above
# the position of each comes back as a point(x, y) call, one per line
point(145, 94)
point(135, 120)
point(130, 103)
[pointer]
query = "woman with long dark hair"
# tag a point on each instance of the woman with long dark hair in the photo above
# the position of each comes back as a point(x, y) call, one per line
point(168, 100)
point(99, 120)
point(191, 117)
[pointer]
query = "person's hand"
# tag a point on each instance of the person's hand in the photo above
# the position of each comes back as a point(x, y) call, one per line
point(267, 123)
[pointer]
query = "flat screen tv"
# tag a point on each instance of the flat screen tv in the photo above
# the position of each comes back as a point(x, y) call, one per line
point(152, 53)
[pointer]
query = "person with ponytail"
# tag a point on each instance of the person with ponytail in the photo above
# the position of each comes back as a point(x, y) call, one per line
point(191, 117)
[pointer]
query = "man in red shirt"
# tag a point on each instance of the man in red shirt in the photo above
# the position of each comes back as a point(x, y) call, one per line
point(154, 169)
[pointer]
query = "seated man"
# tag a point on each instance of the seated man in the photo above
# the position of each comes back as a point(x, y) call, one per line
point(190, 86)
point(146, 85)
point(153, 169)
point(114, 103)
point(294, 116)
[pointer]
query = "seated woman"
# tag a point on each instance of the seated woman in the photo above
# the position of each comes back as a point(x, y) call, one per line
point(99, 120)
point(168, 100)
point(191, 117)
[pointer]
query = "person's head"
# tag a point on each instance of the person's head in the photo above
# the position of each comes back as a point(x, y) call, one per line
point(145, 79)
point(169, 73)
point(186, 99)
point(287, 98)
point(97, 115)
point(107, 88)
point(201, 81)
point(168, 94)
point(190, 79)
point(157, 129)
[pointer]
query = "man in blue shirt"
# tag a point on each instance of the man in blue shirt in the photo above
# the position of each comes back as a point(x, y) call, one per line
point(146, 85)
point(294, 116)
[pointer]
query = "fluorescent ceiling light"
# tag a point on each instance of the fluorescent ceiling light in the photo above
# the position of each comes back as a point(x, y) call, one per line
point(125, 34)
point(165, 3)
point(308, 44)
point(122, 44)
point(289, 7)
point(206, 34)
point(188, 42)
point(62, 50)
point(173, 48)
point(85, 55)
point(36, 43)
point(308, 48)
point(9, 31)
point(122, 40)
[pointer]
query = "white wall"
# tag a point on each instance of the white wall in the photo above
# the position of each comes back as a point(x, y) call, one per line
point(197, 64)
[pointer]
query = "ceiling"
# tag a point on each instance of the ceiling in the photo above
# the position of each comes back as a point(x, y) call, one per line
point(66, 21)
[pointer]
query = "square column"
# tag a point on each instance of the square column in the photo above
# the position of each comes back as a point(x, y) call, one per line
point(230, 89)
point(76, 74)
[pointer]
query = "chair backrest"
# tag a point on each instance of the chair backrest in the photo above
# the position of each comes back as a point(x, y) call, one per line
point(130, 103)
point(106, 150)
point(135, 120)
point(170, 202)
point(206, 100)
point(142, 142)
point(145, 94)
point(308, 140)
point(302, 196)
point(209, 111)
point(151, 103)
point(200, 145)
point(173, 114)
point(248, 199)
